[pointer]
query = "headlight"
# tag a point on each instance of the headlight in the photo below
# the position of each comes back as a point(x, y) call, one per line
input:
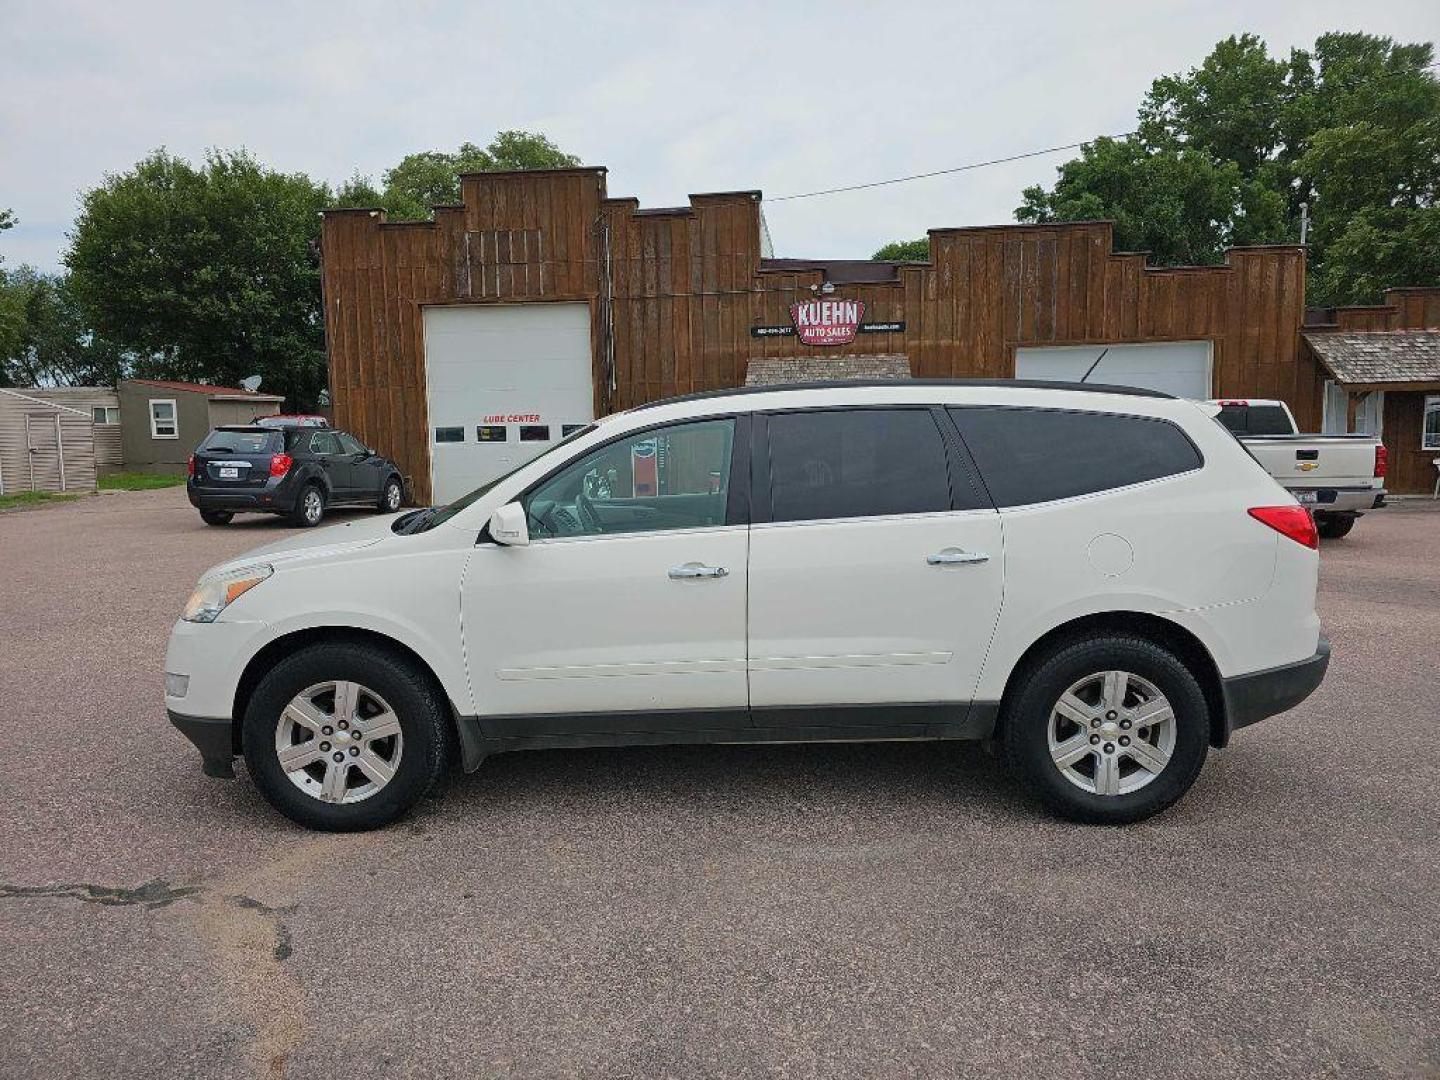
point(214, 595)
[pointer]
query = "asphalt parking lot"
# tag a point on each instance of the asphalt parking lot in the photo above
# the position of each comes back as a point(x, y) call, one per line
point(852, 911)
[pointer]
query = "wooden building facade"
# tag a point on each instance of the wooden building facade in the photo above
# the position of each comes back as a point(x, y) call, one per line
point(682, 299)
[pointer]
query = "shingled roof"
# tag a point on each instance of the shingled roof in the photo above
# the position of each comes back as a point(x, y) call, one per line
point(1379, 357)
point(779, 370)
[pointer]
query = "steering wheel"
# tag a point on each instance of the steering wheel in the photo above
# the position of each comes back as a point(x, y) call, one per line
point(586, 509)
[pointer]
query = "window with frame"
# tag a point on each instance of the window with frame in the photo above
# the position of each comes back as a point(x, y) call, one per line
point(846, 463)
point(324, 443)
point(1430, 428)
point(349, 444)
point(163, 422)
point(105, 414)
point(1038, 455)
point(675, 477)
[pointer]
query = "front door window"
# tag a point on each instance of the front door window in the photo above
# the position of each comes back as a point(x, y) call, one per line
point(674, 477)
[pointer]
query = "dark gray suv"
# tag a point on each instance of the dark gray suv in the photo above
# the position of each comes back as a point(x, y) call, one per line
point(299, 472)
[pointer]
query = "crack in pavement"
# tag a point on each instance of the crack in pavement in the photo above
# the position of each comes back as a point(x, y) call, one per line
point(152, 894)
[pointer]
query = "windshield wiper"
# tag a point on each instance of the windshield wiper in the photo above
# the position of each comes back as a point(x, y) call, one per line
point(416, 521)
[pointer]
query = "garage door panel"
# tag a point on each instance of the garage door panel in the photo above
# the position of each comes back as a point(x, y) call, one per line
point(513, 361)
point(1181, 368)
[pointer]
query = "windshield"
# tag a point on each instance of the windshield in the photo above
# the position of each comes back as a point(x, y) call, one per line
point(424, 520)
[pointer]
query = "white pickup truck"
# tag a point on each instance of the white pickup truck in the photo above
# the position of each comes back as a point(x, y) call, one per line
point(1338, 476)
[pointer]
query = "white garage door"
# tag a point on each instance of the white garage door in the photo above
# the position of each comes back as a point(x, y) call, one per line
point(503, 383)
point(1181, 368)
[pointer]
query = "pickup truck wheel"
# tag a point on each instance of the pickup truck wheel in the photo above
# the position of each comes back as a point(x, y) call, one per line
point(344, 737)
point(1334, 526)
point(1107, 730)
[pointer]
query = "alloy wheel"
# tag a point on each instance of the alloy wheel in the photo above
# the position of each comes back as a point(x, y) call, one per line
point(339, 742)
point(313, 506)
point(1111, 733)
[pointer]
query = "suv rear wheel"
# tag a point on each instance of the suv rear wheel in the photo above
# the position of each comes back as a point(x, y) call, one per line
point(344, 737)
point(216, 517)
point(309, 507)
point(1107, 729)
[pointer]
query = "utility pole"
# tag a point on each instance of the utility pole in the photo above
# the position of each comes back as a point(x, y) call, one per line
point(1304, 222)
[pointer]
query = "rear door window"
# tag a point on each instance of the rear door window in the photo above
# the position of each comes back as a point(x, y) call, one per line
point(1038, 455)
point(847, 463)
point(325, 443)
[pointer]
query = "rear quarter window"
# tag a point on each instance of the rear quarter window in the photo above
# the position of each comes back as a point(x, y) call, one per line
point(241, 442)
point(1039, 455)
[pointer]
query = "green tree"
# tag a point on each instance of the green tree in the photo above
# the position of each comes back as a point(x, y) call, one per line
point(54, 344)
point(432, 177)
point(1348, 128)
point(905, 251)
point(206, 273)
point(1175, 203)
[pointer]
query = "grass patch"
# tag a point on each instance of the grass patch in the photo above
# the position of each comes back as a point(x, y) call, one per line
point(34, 498)
point(139, 481)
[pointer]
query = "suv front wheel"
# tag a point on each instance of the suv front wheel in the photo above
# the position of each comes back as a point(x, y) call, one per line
point(345, 736)
point(1107, 729)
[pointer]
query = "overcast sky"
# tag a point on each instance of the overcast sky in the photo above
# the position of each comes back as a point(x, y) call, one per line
point(673, 97)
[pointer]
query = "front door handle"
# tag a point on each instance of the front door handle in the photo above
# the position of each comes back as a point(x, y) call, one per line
point(696, 570)
point(953, 556)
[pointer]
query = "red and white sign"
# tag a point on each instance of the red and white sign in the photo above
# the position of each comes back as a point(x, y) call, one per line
point(827, 322)
point(644, 469)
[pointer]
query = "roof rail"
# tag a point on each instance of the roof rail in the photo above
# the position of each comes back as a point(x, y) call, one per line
point(841, 384)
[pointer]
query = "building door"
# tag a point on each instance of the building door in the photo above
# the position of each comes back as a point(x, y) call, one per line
point(503, 383)
point(47, 460)
point(1181, 368)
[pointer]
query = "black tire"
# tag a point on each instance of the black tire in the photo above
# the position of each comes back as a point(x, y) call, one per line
point(424, 726)
point(1026, 717)
point(392, 494)
point(1334, 526)
point(216, 517)
point(307, 515)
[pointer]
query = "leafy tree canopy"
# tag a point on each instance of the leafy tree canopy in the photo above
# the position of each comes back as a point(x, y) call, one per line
point(205, 273)
point(905, 251)
point(45, 338)
point(432, 177)
point(1227, 153)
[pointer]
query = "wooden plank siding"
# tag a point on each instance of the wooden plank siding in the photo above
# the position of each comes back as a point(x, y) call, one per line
point(686, 285)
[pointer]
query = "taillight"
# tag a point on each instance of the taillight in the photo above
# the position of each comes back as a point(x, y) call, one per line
point(1382, 459)
point(280, 464)
point(1293, 521)
point(192, 465)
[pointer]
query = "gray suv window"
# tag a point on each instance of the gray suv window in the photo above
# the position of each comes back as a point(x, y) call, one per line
point(1036, 455)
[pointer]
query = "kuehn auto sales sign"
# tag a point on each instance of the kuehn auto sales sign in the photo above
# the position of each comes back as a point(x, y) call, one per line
point(827, 322)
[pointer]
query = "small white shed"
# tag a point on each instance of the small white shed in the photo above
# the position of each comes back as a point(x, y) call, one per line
point(44, 446)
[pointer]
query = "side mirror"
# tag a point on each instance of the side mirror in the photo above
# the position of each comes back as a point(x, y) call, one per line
point(508, 526)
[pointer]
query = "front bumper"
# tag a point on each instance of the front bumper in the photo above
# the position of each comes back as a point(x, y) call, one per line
point(214, 737)
point(1253, 697)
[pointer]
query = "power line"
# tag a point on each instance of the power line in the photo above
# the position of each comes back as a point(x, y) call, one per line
point(1021, 157)
point(947, 172)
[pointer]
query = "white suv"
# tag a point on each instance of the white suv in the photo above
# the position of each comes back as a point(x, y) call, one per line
point(1099, 579)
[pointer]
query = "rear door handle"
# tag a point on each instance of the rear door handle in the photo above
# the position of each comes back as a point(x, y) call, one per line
point(696, 570)
point(951, 557)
